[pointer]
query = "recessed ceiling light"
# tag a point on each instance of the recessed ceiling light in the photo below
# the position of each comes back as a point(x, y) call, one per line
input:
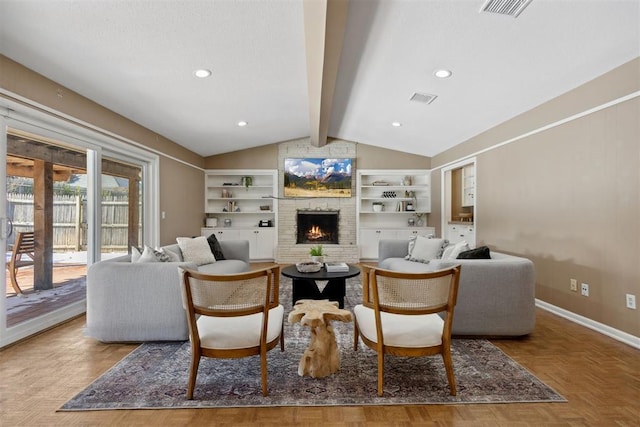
point(242, 123)
point(202, 73)
point(396, 124)
point(443, 74)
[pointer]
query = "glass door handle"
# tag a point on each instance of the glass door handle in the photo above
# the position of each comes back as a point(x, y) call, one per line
point(7, 228)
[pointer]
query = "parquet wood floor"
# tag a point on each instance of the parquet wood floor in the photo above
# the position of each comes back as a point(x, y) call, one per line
point(599, 376)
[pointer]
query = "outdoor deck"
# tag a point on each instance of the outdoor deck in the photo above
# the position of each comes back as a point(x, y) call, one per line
point(69, 286)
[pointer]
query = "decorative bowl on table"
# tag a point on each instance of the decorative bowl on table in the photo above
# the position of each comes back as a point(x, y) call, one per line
point(308, 267)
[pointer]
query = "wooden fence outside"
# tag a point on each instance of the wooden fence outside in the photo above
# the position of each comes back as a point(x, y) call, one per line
point(70, 222)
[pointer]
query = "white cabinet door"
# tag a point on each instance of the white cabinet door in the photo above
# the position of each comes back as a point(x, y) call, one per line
point(457, 233)
point(405, 233)
point(226, 234)
point(468, 185)
point(369, 239)
point(265, 243)
point(207, 231)
point(260, 242)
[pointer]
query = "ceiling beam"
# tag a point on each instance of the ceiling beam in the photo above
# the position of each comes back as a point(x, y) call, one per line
point(324, 27)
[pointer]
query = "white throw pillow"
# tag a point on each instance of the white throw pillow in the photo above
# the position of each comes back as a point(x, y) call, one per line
point(452, 251)
point(425, 249)
point(148, 255)
point(412, 242)
point(196, 250)
point(135, 254)
point(170, 255)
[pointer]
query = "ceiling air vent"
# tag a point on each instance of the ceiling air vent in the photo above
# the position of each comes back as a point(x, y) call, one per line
point(425, 98)
point(505, 7)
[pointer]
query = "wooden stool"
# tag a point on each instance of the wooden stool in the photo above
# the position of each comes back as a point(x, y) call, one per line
point(321, 358)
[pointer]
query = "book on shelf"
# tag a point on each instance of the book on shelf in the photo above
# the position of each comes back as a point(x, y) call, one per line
point(336, 267)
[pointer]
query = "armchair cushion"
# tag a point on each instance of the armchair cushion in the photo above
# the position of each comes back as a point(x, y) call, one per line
point(401, 330)
point(238, 332)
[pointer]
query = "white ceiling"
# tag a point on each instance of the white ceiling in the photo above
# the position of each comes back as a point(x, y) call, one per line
point(137, 58)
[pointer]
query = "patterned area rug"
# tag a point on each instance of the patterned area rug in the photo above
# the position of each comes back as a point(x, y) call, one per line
point(155, 376)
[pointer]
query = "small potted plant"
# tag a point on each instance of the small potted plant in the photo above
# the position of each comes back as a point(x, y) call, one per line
point(377, 206)
point(317, 255)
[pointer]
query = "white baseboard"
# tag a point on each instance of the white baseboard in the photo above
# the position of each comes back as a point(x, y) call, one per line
point(616, 334)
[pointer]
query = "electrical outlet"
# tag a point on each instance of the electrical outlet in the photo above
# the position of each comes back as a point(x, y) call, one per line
point(631, 301)
point(585, 290)
point(574, 285)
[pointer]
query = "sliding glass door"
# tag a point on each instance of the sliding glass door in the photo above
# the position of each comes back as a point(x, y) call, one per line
point(80, 198)
point(121, 207)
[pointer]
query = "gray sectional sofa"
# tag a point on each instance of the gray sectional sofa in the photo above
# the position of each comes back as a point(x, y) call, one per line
point(496, 296)
point(135, 302)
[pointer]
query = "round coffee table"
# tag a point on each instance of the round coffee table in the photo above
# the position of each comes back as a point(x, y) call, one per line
point(304, 285)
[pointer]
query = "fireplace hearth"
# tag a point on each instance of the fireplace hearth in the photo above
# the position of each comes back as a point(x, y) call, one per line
point(317, 227)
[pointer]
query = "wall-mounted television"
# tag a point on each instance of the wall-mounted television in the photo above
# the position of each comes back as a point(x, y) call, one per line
point(317, 177)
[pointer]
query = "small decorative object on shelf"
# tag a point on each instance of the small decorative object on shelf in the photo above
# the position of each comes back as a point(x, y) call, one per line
point(377, 206)
point(231, 207)
point(389, 194)
point(308, 267)
point(247, 181)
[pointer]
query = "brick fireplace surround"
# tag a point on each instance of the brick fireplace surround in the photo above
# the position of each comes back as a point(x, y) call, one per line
point(288, 251)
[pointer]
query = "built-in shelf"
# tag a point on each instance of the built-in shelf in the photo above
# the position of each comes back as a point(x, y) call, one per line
point(406, 196)
point(237, 207)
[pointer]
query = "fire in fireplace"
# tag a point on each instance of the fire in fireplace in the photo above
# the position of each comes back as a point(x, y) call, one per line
point(317, 227)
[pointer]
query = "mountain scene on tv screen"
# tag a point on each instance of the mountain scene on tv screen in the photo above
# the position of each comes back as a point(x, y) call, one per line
point(317, 177)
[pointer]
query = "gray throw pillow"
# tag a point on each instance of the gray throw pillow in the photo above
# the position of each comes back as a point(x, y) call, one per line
point(478, 253)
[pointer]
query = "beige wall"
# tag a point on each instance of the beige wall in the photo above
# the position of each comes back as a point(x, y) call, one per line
point(265, 157)
point(173, 198)
point(182, 200)
point(367, 157)
point(568, 197)
point(370, 157)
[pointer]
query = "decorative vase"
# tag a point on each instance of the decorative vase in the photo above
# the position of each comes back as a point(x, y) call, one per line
point(317, 258)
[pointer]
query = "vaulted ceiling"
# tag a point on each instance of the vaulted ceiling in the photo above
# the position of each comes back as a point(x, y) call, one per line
point(319, 68)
